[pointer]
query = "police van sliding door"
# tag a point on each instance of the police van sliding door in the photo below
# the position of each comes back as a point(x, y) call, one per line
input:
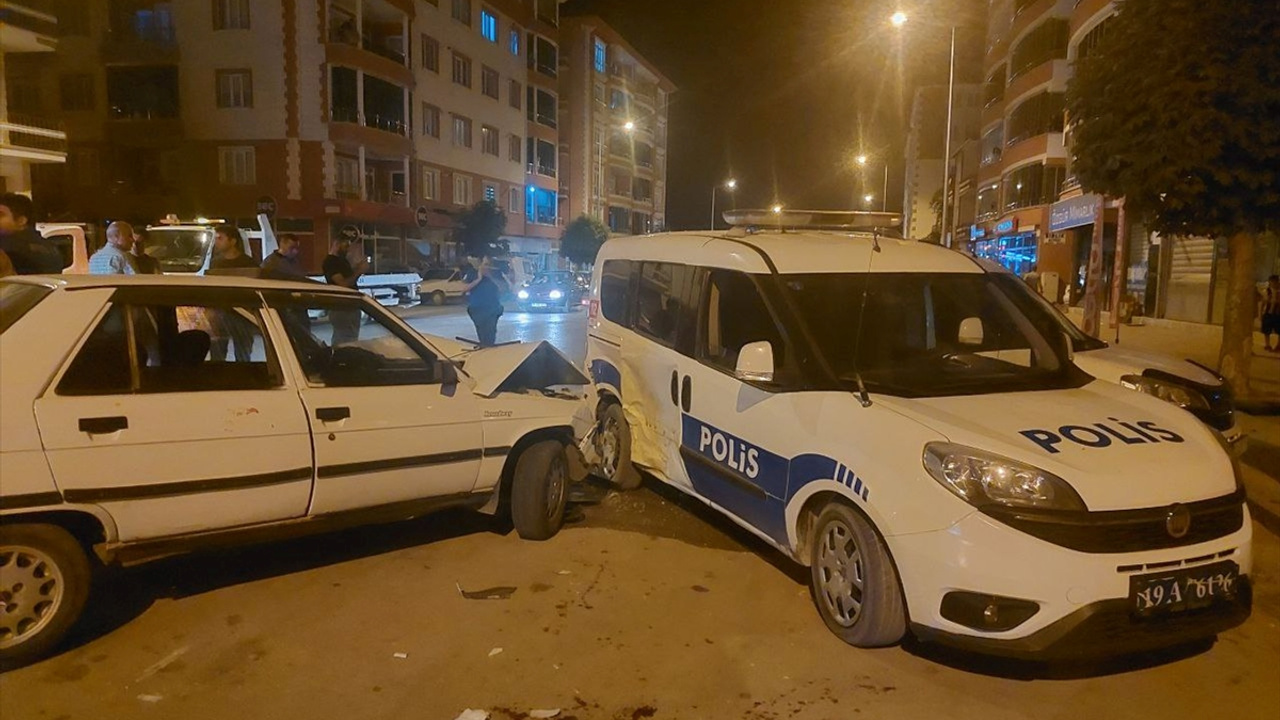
point(735, 436)
point(664, 319)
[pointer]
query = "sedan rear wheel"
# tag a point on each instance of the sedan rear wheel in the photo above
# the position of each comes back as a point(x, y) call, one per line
point(44, 584)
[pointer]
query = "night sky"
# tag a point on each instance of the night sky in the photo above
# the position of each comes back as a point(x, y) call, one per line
point(782, 94)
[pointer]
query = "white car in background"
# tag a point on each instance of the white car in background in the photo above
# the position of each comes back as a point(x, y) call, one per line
point(144, 416)
point(441, 285)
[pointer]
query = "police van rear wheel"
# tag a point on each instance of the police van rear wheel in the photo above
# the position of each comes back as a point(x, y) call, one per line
point(853, 581)
point(539, 490)
point(614, 447)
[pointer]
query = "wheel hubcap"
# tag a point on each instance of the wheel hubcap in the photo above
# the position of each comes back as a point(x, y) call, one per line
point(555, 487)
point(610, 442)
point(840, 574)
point(31, 589)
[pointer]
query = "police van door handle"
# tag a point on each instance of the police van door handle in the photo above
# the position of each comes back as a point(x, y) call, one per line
point(675, 388)
point(686, 400)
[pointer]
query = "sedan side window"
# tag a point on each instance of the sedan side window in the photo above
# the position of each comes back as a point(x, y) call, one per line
point(341, 343)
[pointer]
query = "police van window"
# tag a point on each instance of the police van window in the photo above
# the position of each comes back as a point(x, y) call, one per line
point(176, 347)
point(339, 343)
point(615, 287)
point(736, 315)
point(663, 300)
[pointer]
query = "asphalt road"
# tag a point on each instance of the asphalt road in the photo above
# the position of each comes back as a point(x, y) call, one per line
point(567, 331)
point(649, 607)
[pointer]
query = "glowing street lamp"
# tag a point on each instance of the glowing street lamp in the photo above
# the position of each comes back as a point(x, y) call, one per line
point(629, 126)
point(777, 209)
point(868, 198)
point(731, 185)
point(898, 19)
point(862, 159)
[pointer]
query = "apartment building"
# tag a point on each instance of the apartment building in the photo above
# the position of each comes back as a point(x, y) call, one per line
point(29, 136)
point(388, 117)
point(926, 148)
point(614, 131)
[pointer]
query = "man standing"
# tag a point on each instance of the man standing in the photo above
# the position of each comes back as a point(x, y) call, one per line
point(1269, 308)
point(114, 258)
point(28, 251)
point(144, 263)
point(283, 263)
point(228, 250)
point(484, 301)
point(338, 270)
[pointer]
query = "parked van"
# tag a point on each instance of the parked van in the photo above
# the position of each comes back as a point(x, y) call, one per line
point(913, 428)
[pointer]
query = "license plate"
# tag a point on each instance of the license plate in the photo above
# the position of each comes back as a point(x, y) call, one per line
point(538, 305)
point(1180, 590)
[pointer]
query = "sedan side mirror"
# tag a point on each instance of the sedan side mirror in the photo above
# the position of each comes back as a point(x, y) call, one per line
point(446, 372)
point(755, 362)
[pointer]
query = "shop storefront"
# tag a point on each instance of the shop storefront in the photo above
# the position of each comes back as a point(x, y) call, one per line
point(1008, 244)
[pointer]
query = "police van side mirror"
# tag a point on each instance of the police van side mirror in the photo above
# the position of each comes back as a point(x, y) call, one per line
point(755, 362)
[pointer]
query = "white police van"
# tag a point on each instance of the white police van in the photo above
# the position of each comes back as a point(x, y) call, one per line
point(912, 427)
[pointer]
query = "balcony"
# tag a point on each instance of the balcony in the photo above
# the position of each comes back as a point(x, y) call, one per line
point(383, 134)
point(996, 54)
point(369, 62)
point(1052, 72)
point(1021, 150)
point(32, 139)
point(1029, 15)
point(993, 113)
point(140, 32)
point(990, 173)
point(1086, 10)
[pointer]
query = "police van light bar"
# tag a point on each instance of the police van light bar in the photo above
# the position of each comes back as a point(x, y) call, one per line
point(813, 219)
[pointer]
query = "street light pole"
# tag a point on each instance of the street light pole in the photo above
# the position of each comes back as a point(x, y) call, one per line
point(729, 185)
point(946, 158)
point(884, 199)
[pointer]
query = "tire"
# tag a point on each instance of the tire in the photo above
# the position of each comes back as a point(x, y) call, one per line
point(539, 490)
point(864, 607)
point(615, 439)
point(438, 299)
point(46, 573)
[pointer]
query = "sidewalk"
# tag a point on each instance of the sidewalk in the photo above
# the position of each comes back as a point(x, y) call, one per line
point(1194, 341)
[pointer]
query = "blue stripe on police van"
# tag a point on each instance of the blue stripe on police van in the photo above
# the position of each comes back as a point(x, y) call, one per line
point(604, 372)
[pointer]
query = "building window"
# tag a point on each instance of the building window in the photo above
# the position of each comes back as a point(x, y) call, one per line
point(430, 53)
point(491, 192)
point(515, 91)
point(601, 55)
point(430, 120)
point(489, 25)
point(543, 56)
point(545, 112)
point(513, 148)
point(76, 92)
point(235, 88)
point(489, 82)
point(513, 199)
point(461, 69)
point(236, 166)
point(430, 184)
point(548, 11)
point(541, 207)
point(230, 14)
point(513, 42)
point(461, 190)
point(462, 11)
point(489, 140)
point(542, 156)
point(462, 131)
point(347, 177)
point(73, 18)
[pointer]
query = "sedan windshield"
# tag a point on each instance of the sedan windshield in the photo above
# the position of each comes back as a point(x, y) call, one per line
point(926, 335)
point(179, 251)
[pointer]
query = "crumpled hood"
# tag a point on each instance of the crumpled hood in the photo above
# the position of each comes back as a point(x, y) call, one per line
point(1119, 449)
point(1112, 363)
point(519, 366)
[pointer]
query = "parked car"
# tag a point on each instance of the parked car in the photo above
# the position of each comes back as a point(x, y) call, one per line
point(912, 428)
point(440, 285)
point(147, 415)
point(557, 291)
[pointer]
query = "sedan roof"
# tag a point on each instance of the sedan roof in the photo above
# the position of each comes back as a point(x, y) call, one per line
point(80, 282)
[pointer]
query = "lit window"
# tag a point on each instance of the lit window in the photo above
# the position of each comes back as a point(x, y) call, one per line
point(513, 42)
point(489, 26)
point(236, 166)
point(491, 192)
point(541, 208)
point(601, 54)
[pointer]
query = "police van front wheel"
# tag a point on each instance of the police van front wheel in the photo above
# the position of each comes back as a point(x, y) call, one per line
point(614, 448)
point(853, 581)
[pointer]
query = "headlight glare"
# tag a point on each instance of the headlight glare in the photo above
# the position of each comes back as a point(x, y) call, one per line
point(555, 294)
point(1183, 397)
point(523, 294)
point(982, 478)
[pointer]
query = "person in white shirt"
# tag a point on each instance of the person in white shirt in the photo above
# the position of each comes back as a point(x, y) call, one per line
point(114, 258)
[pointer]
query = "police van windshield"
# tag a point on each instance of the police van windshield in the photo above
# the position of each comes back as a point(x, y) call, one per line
point(927, 335)
point(179, 251)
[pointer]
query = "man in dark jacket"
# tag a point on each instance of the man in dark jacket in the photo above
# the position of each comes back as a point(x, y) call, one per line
point(30, 253)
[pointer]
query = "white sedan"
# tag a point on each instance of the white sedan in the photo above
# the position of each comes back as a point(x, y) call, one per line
point(148, 415)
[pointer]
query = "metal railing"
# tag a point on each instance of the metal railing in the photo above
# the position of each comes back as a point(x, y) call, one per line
point(32, 133)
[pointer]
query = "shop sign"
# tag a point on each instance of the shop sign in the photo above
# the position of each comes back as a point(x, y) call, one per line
point(977, 232)
point(1007, 226)
point(1074, 213)
point(422, 216)
point(350, 233)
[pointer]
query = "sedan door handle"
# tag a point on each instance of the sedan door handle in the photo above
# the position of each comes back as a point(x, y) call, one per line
point(104, 425)
point(333, 414)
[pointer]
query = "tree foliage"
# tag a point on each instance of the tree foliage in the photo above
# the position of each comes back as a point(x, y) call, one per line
point(582, 239)
point(1177, 111)
point(479, 230)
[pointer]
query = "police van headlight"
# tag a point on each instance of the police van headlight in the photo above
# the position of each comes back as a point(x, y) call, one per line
point(523, 294)
point(1183, 397)
point(982, 478)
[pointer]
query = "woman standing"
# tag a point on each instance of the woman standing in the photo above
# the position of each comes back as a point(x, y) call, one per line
point(484, 301)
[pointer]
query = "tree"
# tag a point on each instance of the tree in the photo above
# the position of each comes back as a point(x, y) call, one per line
point(582, 239)
point(935, 204)
point(1176, 111)
point(479, 229)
